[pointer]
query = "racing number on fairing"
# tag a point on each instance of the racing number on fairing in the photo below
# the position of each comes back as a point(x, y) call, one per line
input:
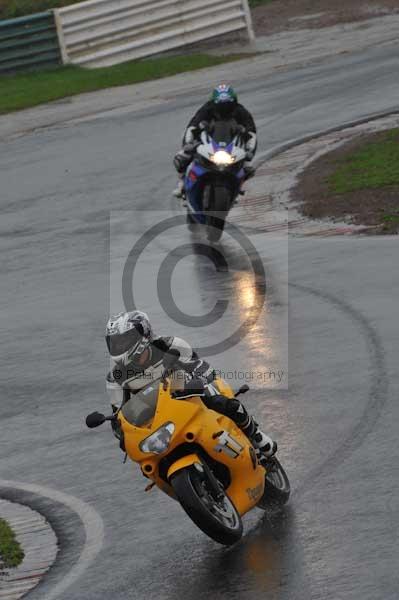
point(228, 445)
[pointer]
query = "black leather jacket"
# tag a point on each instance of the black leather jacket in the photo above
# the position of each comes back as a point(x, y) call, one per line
point(208, 112)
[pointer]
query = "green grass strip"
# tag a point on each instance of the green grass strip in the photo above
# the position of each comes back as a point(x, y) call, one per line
point(30, 89)
point(11, 553)
point(253, 3)
point(9, 9)
point(375, 165)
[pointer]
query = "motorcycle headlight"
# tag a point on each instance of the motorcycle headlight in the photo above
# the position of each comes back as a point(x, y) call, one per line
point(158, 441)
point(222, 158)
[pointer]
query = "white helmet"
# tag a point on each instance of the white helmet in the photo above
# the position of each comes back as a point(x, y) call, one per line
point(128, 335)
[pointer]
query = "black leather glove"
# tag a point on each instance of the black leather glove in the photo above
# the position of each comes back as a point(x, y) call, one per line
point(181, 161)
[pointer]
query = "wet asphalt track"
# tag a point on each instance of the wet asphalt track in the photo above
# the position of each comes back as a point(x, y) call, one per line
point(337, 423)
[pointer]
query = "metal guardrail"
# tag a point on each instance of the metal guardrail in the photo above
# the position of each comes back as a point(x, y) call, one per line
point(28, 43)
point(100, 33)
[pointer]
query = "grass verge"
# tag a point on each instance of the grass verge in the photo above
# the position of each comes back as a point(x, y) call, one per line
point(374, 165)
point(11, 553)
point(253, 3)
point(357, 182)
point(10, 9)
point(30, 89)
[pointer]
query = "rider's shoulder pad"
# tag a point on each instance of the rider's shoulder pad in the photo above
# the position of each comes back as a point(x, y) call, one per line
point(162, 343)
point(184, 348)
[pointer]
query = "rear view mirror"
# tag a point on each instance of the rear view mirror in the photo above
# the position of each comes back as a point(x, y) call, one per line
point(95, 420)
point(243, 390)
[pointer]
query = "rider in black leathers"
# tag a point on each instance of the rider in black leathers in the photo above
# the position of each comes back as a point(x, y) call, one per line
point(223, 105)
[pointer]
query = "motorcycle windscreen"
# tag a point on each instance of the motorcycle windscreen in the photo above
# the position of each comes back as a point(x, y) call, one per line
point(224, 131)
point(141, 407)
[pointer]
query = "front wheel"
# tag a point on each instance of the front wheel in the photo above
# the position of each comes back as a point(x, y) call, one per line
point(217, 518)
point(220, 206)
point(277, 485)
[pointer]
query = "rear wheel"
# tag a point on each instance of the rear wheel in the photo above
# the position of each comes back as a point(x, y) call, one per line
point(217, 518)
point(277, 485)
point(220, 206)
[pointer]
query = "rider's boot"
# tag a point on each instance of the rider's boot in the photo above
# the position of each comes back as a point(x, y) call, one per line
point(178, 192)
point(263, 444)
point(181, 161)
point(249, 170)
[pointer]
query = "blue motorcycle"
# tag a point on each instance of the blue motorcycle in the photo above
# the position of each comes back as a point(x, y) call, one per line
point(214, 178)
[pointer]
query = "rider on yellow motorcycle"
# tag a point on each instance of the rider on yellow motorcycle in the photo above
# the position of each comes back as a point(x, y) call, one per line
point(140, 358)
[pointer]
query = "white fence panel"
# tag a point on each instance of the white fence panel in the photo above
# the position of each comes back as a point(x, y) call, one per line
point(106, 32)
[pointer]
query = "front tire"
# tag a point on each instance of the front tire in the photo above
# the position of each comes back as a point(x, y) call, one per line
point(277, 485)
point(220, 207)
point(217, 519)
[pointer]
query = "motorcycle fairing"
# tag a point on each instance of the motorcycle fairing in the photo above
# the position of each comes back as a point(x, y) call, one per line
point(193, 186)
point(195, 174)
point(190, 416)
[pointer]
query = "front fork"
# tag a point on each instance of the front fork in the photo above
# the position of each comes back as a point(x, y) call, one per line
point(215, 487)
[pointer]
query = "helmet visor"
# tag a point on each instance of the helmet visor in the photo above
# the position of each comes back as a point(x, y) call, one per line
point(120, 343)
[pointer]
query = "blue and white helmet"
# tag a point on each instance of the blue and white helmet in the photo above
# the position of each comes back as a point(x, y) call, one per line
point(224, 100)
point(224, 94)
point(128, 335)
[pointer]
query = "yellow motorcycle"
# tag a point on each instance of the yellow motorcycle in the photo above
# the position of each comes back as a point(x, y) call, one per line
point(197, 456)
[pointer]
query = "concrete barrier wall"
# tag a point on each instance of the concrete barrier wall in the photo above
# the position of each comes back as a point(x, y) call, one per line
point(28, 43)
point(106, 32)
